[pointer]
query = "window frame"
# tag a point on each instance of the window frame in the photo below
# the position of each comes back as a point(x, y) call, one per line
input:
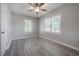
point(59, 25)
point(50, 18)
point(45, 20)
point(31, 26)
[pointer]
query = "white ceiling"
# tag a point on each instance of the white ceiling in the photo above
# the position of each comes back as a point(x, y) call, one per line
point(21, 8)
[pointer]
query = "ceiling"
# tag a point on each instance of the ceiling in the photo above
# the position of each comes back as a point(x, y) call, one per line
point(21, 8)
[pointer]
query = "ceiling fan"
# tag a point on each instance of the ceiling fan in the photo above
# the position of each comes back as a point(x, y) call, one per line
point(37, 7)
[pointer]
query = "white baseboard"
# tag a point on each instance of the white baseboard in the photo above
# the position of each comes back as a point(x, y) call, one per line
point(2, 53)
point(22, 37)
point(61, 43)
point(8, 45)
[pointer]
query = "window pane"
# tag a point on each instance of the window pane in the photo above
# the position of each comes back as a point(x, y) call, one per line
point(47, 24)
point(27, 26)
point(56, 24)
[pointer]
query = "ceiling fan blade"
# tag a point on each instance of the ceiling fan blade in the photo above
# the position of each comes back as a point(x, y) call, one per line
point(30, 10)
point(41, 4)
point(31, 4)
point(36, 4)
point(43, 10)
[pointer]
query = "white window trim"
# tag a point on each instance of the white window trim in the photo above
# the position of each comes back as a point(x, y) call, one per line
point(31, 26)
point(60, 24)
point(60, 28)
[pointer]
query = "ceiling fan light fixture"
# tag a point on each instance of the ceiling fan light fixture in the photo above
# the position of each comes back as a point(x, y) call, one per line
point(37, 9)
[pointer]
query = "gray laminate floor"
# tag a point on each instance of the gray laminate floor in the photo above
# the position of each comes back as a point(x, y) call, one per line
point(35, 47)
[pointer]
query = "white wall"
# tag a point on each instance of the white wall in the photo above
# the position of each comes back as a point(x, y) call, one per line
point(18, 26)
point(70, 24)
point(5, 27)
point(69, 27)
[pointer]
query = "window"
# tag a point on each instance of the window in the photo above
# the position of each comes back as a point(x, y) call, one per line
point(56, 23)
point(47, 25)
point(52, 24)
point(27, 26)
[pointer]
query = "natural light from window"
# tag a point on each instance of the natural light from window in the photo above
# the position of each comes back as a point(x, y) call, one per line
point(27, 26)
point(52, 24)
point(56, 23)
point(47, 24)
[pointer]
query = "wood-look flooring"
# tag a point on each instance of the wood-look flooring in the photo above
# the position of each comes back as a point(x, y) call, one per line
point(35, 47)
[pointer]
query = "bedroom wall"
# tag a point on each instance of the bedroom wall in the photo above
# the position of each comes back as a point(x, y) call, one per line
point(69, 25)
point(18, 26)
